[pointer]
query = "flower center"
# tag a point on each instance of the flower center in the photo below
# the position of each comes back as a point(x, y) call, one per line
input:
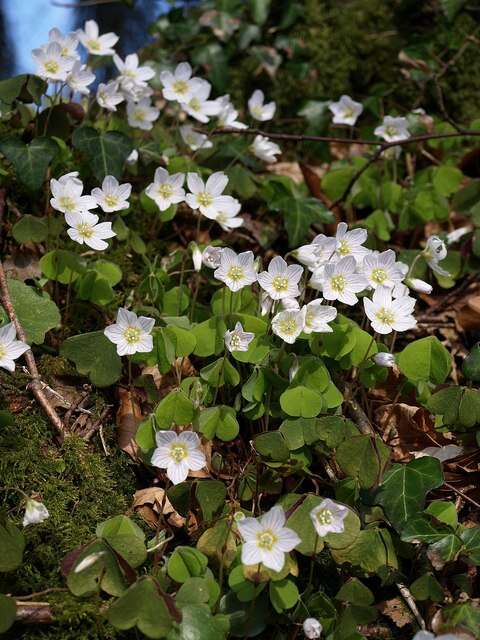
point(387, 317)
point(348, 112)
point(343, 248)
point(266, 540)
point(67, 203)
point(85, 230)
point(257, 111)
point(324, 516)
point(309, 317)
point(111, 200)
point(235, 341)
point(194, 104)
point(178, 452)
point(132, 335)
point(93, 44)
point(288, 327)
point(52, 66)
point(235, 273)
point(139, 115)
point(165, 190)
point(180, 87)
point(3, 351)
point(280, 283)
point(391, 131)
point(338, 283)
point(379, 275)
point(65, 52)
point(205, 199)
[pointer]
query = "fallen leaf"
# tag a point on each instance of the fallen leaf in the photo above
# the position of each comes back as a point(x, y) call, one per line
point(129, 415)
point(397, 611)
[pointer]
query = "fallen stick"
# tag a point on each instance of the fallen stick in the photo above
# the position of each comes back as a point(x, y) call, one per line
point(36, 385)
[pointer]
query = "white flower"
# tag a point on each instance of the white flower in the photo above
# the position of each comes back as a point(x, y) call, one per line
point(89, 561)
point(434, 252)
point(267, 539)
point(340, 282)
point(381, 269)
point(142, 115)
point(85, 228)
point(288, 325)
point(393, 129)
point(131, 71)
point(10, 347)
point(130, 333)
point(236, 271)
point(98, 45)
point(134, 91)
point(281, 280)
point(258, 109)
point(387, 314)
point(349, 243)
point(178, 454)
point(196, 256)
point(289, 304)
point(266, 303)
point(328, 517)
point(199, 106)
point(35, 513)
point(228, 219)
point(179, 85)
point(312, 628)
point(166, 189)
point(51, 64)
point(316, 254)
point(426, 635)
point(194, 139)
point(345, 111)
point(384, 359)
point(238, 339)
point(108, 95)
point(211, 256)
point(68, 43)
point(133, 157)
point(457, 234)
point(67, 195)
point(318, 316)
point(227, 116)
point(419, 285)
point(79, 78)
point(112, 196)
point(207, 197)
point(264, 149)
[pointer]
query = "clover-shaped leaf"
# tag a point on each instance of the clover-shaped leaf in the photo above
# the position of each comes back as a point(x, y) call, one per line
point(94, 356)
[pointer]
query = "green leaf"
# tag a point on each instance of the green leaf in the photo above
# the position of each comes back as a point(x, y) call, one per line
point(193, 591)
point(199, 624)
point(176, 408)
point(465, 615)
point(355, 592)
point(425, 360)
point(272, 446)
point(471, 364)
point(105, 152)
point(36, 313)
point(402, 493)
point(443, 511)
point(301, 401)
point(62, 266)
point(94, 356)
point(185, 563)
point(260, 9)
point(27, 88)
point(210, 495)
point(364, 458)
point(335, 182)
point(102, 570)
point(12, 544)
point(125, 537)
point(471, 541)
point(371, 550)
point(30, 160)
point(8, 610)
point(141, 606)
point(421, 529)
point(427, 587)
point(218, 422)
point(302, 524)
point(30, 229)
point(446, 179)
point(458, 406)
point(209, 336)
point(283, 594)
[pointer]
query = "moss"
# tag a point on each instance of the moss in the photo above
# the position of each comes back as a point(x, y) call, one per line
point(81, 487)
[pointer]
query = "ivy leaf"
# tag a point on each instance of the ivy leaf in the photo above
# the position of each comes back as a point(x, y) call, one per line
point(141, 606)
point(106, 152)
point(471, 542)
point(36, 313)
point(27, 88)
point(402, 493)
point(94, 356)
point(30, 160)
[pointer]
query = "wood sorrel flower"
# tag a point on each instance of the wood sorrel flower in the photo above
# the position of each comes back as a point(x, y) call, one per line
point(178, 454)
point(10, 347)
point(131, 333)
point(328, 517)
point(238, 339)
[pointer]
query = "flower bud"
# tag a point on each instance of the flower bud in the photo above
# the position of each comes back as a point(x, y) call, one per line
point(312, 628)
point(419, 285)
point(35, 512)
point(196, 256)
point(384, 359)
point(211, 257)
point(455, 236)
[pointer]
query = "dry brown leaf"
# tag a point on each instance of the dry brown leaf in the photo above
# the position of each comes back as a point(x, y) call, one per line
point(129, 415)
point(148, 503)
point(397, 611)
point(468, 316)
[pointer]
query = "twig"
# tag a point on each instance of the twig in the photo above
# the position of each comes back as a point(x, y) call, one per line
point(407, 596)
point(462, 494)
point(36, 385)
point(359, 417)
point(97, 424)
point(41, 593)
